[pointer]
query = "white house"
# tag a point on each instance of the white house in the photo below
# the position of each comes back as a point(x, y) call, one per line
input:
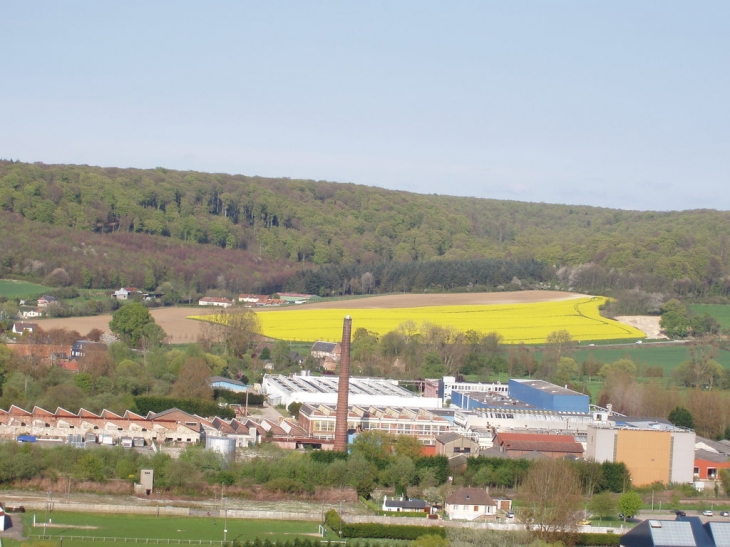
point(125, 293)
point(470, 504)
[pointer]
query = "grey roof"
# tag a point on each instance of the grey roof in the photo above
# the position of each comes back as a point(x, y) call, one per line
point(327, 347)
point(470, 496)
point(214, 379)
point(413, 503)
point(448, 437)
point(682, 532)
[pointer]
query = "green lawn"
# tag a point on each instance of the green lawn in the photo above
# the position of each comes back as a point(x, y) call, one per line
point(143, 526)
point(21, 289)
point(718, 311)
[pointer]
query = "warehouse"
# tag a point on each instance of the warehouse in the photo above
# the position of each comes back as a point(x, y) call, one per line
point(315, 390)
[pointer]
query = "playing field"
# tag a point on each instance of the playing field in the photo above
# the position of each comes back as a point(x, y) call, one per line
point(72, 525)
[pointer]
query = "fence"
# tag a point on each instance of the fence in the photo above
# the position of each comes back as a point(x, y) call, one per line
point(109, 539)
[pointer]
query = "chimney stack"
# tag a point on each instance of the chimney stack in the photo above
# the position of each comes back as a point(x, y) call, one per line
point(343, 388)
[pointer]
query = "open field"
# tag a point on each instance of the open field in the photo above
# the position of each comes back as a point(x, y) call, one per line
point(484, 312)
point(516, 321)
point(187, 528)
point(21, 289)
point(718, 311)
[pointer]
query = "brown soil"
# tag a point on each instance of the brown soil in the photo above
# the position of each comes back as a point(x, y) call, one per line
point(648, 324)
point(182, 330)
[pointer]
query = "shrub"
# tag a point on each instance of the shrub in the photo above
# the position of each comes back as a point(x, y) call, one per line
point(384, 531)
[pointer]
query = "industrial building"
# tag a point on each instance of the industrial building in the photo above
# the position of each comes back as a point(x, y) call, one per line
point(652, 451)
point(319, 421)
point(444, 387)
point(316, 390)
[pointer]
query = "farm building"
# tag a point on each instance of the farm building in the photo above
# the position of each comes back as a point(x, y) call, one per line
point(315, 390)
point(215, 301)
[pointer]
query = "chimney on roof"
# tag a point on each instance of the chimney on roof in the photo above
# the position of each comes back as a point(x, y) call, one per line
point(343, 388)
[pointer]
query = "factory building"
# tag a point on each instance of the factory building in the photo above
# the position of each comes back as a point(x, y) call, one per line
point(652, 451)
point(319, 421)
point(316, 390)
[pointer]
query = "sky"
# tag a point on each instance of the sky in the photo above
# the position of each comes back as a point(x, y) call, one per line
point(618, 104)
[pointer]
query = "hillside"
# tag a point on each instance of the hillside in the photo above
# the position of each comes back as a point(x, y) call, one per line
point(108, 226)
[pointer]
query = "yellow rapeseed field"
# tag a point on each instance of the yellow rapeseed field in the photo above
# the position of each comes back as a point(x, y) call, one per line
point(530, 323)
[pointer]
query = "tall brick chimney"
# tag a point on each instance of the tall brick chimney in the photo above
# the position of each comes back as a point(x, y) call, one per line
point(343, 388)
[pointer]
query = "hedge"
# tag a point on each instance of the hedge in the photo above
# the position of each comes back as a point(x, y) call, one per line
point(595, 539)
point(390, 531)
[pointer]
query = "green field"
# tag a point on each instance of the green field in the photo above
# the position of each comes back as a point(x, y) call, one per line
point(184, 528)
point(718, 311)
point(21, 289)
point(645, 355)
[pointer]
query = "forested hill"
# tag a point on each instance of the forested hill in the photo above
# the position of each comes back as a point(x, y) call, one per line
point(352, 228)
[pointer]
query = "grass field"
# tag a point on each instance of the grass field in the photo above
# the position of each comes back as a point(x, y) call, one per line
point(187, 528)
point(646, 355)
point(21, 289)
point(530, 323)
point(718, 311)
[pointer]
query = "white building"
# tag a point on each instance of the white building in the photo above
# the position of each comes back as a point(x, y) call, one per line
point(315, 390)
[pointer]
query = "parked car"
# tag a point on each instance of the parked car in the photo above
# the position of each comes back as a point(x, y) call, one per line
point(584, 522)
point(510, 515)
point(707, 513)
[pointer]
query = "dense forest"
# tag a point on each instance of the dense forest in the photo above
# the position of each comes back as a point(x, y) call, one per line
point(106, 227)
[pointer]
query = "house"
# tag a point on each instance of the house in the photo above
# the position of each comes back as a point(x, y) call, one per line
point(329, 364)
point(81, 347)
point(452, 444)
point(20, 327)
point(470, 504)
point(45, 301)
point(710, 457)
point(125, 293)
point(553, 446)
point(682, 532)
point(215, 301)
point(400, 505)
point(30, 313)
point(321, 350)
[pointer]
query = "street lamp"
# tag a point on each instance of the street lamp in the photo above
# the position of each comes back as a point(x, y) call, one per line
point(45, 522)
point(225, 520)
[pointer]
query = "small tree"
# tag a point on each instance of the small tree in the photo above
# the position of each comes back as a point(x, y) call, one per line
point(602, 505)
point(681, 417)
point(629, 503)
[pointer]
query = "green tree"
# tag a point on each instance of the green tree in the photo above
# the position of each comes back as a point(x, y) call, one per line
point(681, 417)
point(129, 322)
point(602, 505)
point(675, 321)
point(629, 504)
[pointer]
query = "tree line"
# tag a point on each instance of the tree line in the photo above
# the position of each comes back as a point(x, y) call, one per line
point(316, 223)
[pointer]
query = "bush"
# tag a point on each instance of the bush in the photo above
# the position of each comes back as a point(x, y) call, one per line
point(392, 531)
point(333, 521)
point(609, 540)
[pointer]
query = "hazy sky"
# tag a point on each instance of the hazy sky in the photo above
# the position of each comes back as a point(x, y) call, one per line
point(616, 104)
